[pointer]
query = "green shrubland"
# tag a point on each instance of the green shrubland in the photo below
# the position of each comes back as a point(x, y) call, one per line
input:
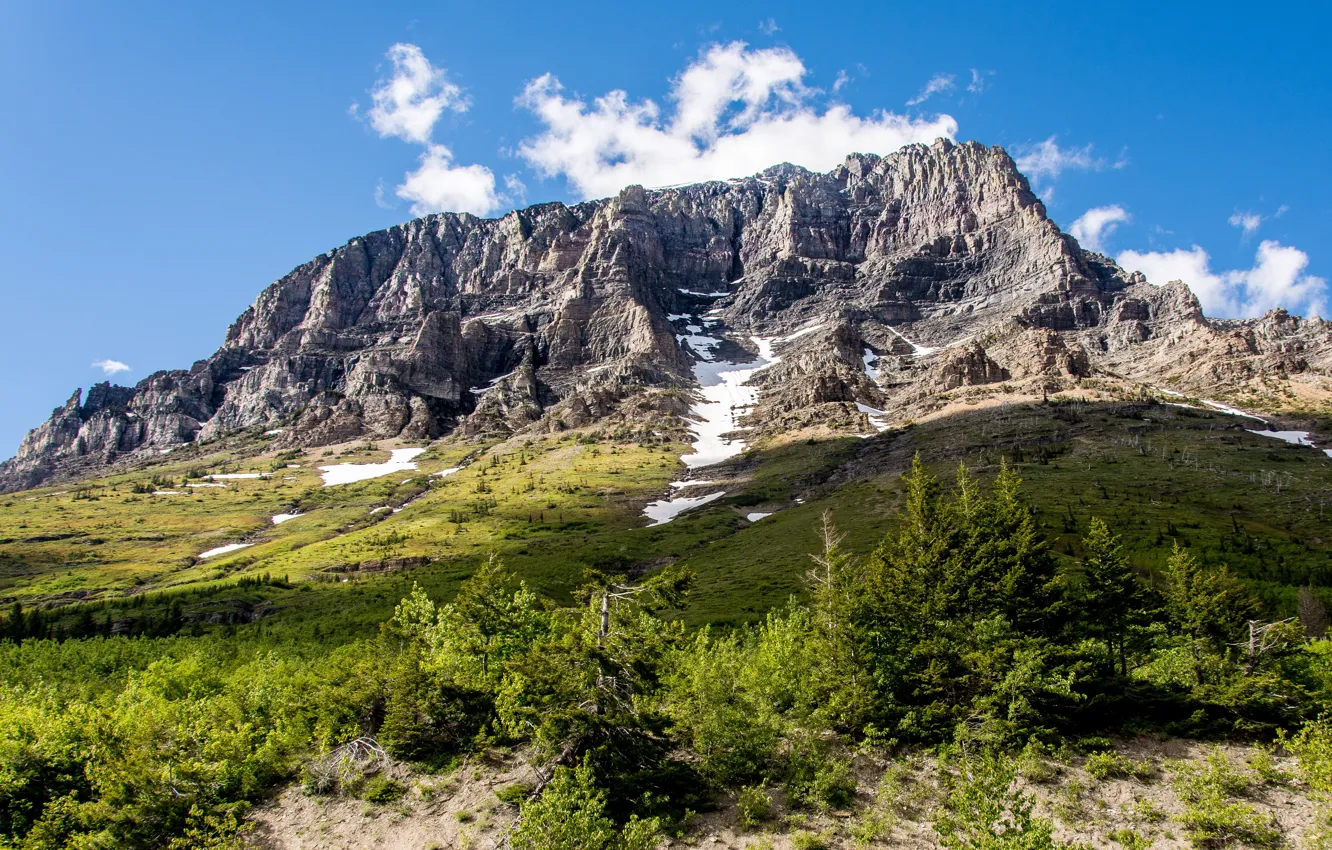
point(961, 631)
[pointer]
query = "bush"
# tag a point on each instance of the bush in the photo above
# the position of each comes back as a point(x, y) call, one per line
point(571, 815)
point(1130, 840)
point(754, 804)
point(425, 718)
point(1111, 765)
point(816, 778)
point(982, 810)
point(1210, 818)
point(1034, 763)
point(806, 840)
point(382, 789)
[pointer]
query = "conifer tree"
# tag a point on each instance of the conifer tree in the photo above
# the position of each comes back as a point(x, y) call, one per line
point(839, 674)
point(1112, 596)
point(1207, 605)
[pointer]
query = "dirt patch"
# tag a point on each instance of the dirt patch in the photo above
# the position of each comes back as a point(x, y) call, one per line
point(458, 809)
point(893, 806)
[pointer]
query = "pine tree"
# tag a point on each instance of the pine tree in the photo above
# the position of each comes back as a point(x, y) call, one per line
point(14, 624)
point(1210, 606)
point(1112, 593)
point(958, 609)
point(840, 677)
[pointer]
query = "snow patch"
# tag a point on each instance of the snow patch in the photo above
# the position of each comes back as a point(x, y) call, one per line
point(490, 386)
point(443, 473)
point(870, 359)
point(725, 400)
point(916, 350)
point(400, 460)
point(802, 332)
point(222, 550)
point(663, 511)
point(757, 515)
point(1216, 405)
point(877, 417)
point(278, 519)
point(229, 476)
point(1295, 438)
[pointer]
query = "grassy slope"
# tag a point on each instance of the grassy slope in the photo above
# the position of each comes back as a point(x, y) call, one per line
point(558, 505)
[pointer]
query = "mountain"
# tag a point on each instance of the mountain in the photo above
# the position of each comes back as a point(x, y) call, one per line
point(887, 289)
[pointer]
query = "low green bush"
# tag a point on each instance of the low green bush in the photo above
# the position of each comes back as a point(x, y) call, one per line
point(382, 789)
point(754, 805)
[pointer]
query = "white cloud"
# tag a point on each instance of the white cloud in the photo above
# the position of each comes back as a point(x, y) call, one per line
point(1246, 221)
point(517, 188)
point(1097, 223)
point(978, 81)
point(938, 84)
point(408, 104)
point(736, 111)
point(769, 26)
point(438, 184)
point(842, 79)
point(1048, 160)
point(1277, 279)
point(110, 367)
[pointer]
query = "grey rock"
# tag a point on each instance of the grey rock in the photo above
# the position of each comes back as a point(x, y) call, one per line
point(556, 316)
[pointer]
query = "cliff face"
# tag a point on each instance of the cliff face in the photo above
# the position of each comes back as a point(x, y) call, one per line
point(451, 320)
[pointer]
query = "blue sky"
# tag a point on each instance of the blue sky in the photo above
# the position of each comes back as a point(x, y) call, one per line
point(163, 162)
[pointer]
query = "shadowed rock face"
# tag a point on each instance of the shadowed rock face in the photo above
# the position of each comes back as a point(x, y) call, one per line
point(452, 321)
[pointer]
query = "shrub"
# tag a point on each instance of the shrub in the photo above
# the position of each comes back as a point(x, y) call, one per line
point(754, 804)
point(1130, 840)
point(1210, 818)
point(1033, 763)
point(382, 789)
point(1111, 765)
point(816, 777)
point(806, 840)
point(426, 718)
point(982, 810)
point(571, 815)
point(513, 794)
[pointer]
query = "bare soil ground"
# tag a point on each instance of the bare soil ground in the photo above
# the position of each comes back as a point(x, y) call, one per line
point(893, 808)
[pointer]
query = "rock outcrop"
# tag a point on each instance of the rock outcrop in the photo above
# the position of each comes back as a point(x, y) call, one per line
point(559, 314)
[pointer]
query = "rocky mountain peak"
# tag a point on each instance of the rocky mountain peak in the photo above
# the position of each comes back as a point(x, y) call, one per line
point(937, 256)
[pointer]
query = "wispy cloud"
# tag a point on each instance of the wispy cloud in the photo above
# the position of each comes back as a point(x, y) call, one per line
point(938, 84)
point(1276, 279)
point(110, 367)
point(516, 187)
point(978, 80)
point(1047, 160)
point(1249, 222)
point(735, 109)
point(1096, 224)
point(769, 26)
